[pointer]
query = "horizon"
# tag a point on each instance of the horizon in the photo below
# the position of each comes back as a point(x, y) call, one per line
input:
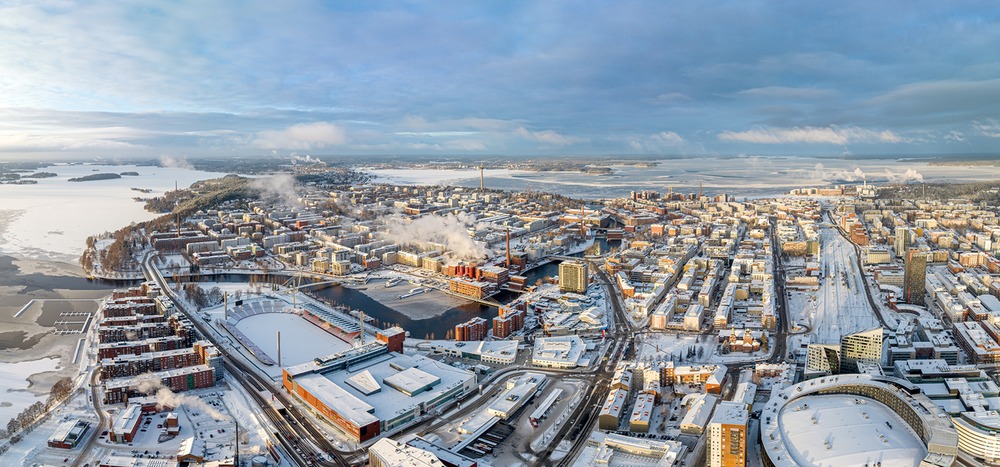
point(520, 80)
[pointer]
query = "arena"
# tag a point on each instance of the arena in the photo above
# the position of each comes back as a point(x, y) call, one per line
point(858, 420)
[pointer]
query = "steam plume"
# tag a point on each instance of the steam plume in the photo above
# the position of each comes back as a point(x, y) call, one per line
point(450, 230)
point(167, 398)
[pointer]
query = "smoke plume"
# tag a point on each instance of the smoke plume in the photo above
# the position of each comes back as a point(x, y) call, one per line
point(167, 398)
point(306, 159)
point(450, 230)
point(907, 176)
point(175, 162)
point(277, 187)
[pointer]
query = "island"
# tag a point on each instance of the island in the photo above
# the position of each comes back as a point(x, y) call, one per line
point(100, 176)
point(130, 174)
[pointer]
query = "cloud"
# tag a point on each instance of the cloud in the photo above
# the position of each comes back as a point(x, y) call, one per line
point(546, 137)
point(956, 136)
point(672, 98)
point(785, 92)
point(668, 137)
point(811, 135)
point(301, 137)
point(988, 127)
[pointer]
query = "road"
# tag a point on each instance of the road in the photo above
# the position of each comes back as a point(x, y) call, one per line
point(781, 304)
point(95, 395)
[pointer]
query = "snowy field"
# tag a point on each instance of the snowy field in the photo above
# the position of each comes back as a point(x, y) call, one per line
point(857, 433)
point(82, 208)
point(14, 394)
point(301, 341)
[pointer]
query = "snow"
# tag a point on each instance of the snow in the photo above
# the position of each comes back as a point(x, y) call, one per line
point(14, 394)
point(673, 346)
point(840, 306)
point(857, 433)
point(82, 208)
point(301, 341)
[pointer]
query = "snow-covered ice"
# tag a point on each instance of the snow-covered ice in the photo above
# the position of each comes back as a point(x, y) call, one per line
point(14, 394)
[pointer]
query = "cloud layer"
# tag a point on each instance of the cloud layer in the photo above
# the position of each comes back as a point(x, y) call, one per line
point(557, 77)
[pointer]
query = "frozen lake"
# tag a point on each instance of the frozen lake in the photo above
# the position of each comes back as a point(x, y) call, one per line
point(752, 176)
point(53, 218)
point(14, 394)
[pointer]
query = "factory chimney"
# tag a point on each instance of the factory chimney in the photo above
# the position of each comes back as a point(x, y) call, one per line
point(508, 247)
point(583, 213)
point(279, 347)
point(482, 184)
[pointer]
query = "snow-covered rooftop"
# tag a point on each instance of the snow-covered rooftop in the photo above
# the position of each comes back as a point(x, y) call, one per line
point(838, 420)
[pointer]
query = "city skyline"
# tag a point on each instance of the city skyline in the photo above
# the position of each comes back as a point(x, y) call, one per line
point(101, 79)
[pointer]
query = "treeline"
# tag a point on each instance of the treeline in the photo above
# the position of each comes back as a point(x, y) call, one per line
point(25, 421)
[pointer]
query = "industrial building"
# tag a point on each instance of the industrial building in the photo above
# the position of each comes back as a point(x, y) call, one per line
point(367, 390)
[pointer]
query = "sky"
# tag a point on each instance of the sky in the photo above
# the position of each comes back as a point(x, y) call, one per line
point(194, 78)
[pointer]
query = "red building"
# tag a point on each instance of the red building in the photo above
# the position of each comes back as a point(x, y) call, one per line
point(393, 338)
point(473, 330)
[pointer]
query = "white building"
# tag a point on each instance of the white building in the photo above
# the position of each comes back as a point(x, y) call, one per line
point(558, 352)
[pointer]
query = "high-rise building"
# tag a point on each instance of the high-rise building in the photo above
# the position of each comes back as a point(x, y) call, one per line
point(573, 276)
point(860, 347)
point(901, 241)
point(727, 435)
point(822, 359)
point(914, 275)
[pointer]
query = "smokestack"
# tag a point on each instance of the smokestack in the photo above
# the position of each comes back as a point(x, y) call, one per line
point(279, 347)
point(699, 191)
point(583, 212)
point(482, 184)
point(177, 217)
point(508, 247)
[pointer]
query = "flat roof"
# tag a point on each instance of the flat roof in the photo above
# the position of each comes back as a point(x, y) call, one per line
point(126, 419)
point(364, 382)
point(332, 389)
point(840, 429)
point(411, 380)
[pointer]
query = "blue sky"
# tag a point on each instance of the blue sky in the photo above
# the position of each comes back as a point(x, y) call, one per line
point(184, 79)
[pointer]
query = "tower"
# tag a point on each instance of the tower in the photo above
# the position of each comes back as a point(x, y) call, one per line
point(914, 275)
point(482, 181)
point(583, 214)
point(699, 191)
